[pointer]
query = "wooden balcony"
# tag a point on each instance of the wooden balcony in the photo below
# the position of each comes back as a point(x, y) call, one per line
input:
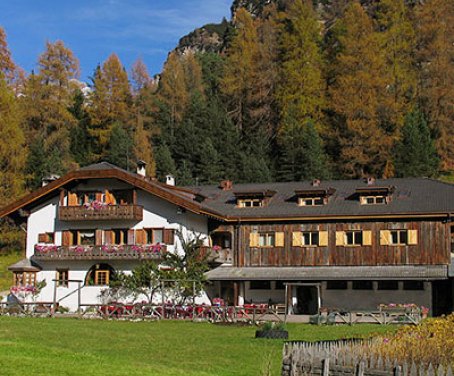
point(102, 252)
point(104, 212)
point(217, 255)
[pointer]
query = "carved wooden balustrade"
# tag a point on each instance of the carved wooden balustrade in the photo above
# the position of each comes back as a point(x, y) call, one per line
point(102, 252)
point(101, 212)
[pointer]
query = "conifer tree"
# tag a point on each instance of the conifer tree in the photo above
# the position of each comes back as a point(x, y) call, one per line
point(208, 166)
point(165, 164)
point(142, 149)
point(301, 85)
point(7, 66)
point(356, 95)
point(434, 23)
point(314, 160)
point(120, 148)
point(110, 102)
point(416, 155)
point(139, 77)
point(12, 147)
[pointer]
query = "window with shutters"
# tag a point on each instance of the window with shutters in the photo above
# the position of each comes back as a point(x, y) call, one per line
point(353, 238)
point(47, 237)
point(86, 237)
point(310, 238)
point(154, 235)
point(120, 236)
point(62, 277)
point(310, 201)
point(398, 237)
point(24, 278)
point(267, 239)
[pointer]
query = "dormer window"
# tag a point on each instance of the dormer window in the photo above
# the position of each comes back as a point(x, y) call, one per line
point(374, 195)
point(311, 201)
point(373, 200)
point(314, 197)
point(253, 199)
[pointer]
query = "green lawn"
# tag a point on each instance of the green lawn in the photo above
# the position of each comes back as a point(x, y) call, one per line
point(6, 277)
point(94, 347)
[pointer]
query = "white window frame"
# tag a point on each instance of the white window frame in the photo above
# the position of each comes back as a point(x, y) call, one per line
point(373, 199)
point(311, 201)
point(249, 202)
point(400, 234)
point(267, 239)
point(312, 235)
point(355, 242)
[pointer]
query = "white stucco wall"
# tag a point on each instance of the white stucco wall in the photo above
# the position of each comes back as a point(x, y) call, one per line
point(157, 213)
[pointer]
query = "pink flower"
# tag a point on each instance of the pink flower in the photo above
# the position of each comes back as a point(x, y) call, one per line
point(216, 248)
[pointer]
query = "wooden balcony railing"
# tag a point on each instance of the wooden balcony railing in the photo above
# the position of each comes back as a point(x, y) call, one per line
point(216, 254)
point(99, 213)
point(101, 252)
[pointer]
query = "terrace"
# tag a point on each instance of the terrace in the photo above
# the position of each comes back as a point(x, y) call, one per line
point(101, 212)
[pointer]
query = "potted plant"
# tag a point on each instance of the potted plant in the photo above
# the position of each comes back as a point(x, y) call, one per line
point(272, 330)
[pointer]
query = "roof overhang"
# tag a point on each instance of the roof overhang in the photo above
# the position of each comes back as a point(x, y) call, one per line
point(321, 273)
point(181, 199)
point(322, 192)
point(24, 265)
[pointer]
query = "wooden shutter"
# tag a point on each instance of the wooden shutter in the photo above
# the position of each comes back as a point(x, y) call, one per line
point(109, 198)
point(367, 237)
point(412, 237)
point(131, 237)
point(169, 236)
point(340, 237)
point(323, 238)
point(98, 196)
point(109, 237)
point(279, 239)
point(72, 199)
point(385, 236)
point(141, 237)
point(297, 239)
point(254, 239)
point(67, 238)
point(43, 238)
point(98, 237)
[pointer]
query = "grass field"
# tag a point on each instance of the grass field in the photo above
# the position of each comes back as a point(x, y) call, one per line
point(93, 347)
point(6, 277)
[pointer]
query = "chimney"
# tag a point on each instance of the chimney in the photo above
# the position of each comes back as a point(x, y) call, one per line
point(170, 180)
point(370, 180)
point(226, 185)
point(49, 179)
point(141, 168)
point(316, 183)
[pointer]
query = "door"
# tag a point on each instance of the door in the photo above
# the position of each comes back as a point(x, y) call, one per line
point(307, 300)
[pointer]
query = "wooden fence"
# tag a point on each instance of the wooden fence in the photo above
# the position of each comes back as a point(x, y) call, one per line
point(345, 358)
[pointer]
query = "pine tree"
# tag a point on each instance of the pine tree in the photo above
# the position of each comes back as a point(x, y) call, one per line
point(398, 43)
point(120, 148)
point(12, 147)
point(209, 167)
point(434, 23)
point(80, 140)
point(301, 86)
point(7, 66)
point(356, 95)
point(314, 160)
point(415, 152)
point(110, 102)
point(165, 164)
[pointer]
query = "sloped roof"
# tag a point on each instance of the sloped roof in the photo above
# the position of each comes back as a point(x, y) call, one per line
point(320, 273)
point(410, 196)
point(25, 265)
point(105, 170)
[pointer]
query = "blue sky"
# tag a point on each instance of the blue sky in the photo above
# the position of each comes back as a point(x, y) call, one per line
point(93, 29)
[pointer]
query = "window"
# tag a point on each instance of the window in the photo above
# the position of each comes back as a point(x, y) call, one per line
point(373, 200)
point(102, 277)
point(362, 285)
point(249, 203)
point(120, 236)
point(260, 285)
point(47, 237)
point(24, 278)
point(310, 238)
point(266, 239)
point(280, 285)
point(310, 201)
point(388, 285)
point(336, 285)
point(398, 237)
point(353, 238)
point(154, 235)
point(86, 237)
point(62, 277)
point(413, 285)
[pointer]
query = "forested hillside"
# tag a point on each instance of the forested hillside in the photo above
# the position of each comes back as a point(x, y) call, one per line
point(292, 91)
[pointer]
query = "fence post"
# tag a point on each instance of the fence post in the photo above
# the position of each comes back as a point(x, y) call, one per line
point(360, 369)
point(325, 367)
point(397, 371)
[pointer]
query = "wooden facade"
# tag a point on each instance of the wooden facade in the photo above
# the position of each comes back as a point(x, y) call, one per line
point(432, 245)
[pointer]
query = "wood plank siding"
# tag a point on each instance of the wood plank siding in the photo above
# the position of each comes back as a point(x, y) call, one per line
point(432, 246)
